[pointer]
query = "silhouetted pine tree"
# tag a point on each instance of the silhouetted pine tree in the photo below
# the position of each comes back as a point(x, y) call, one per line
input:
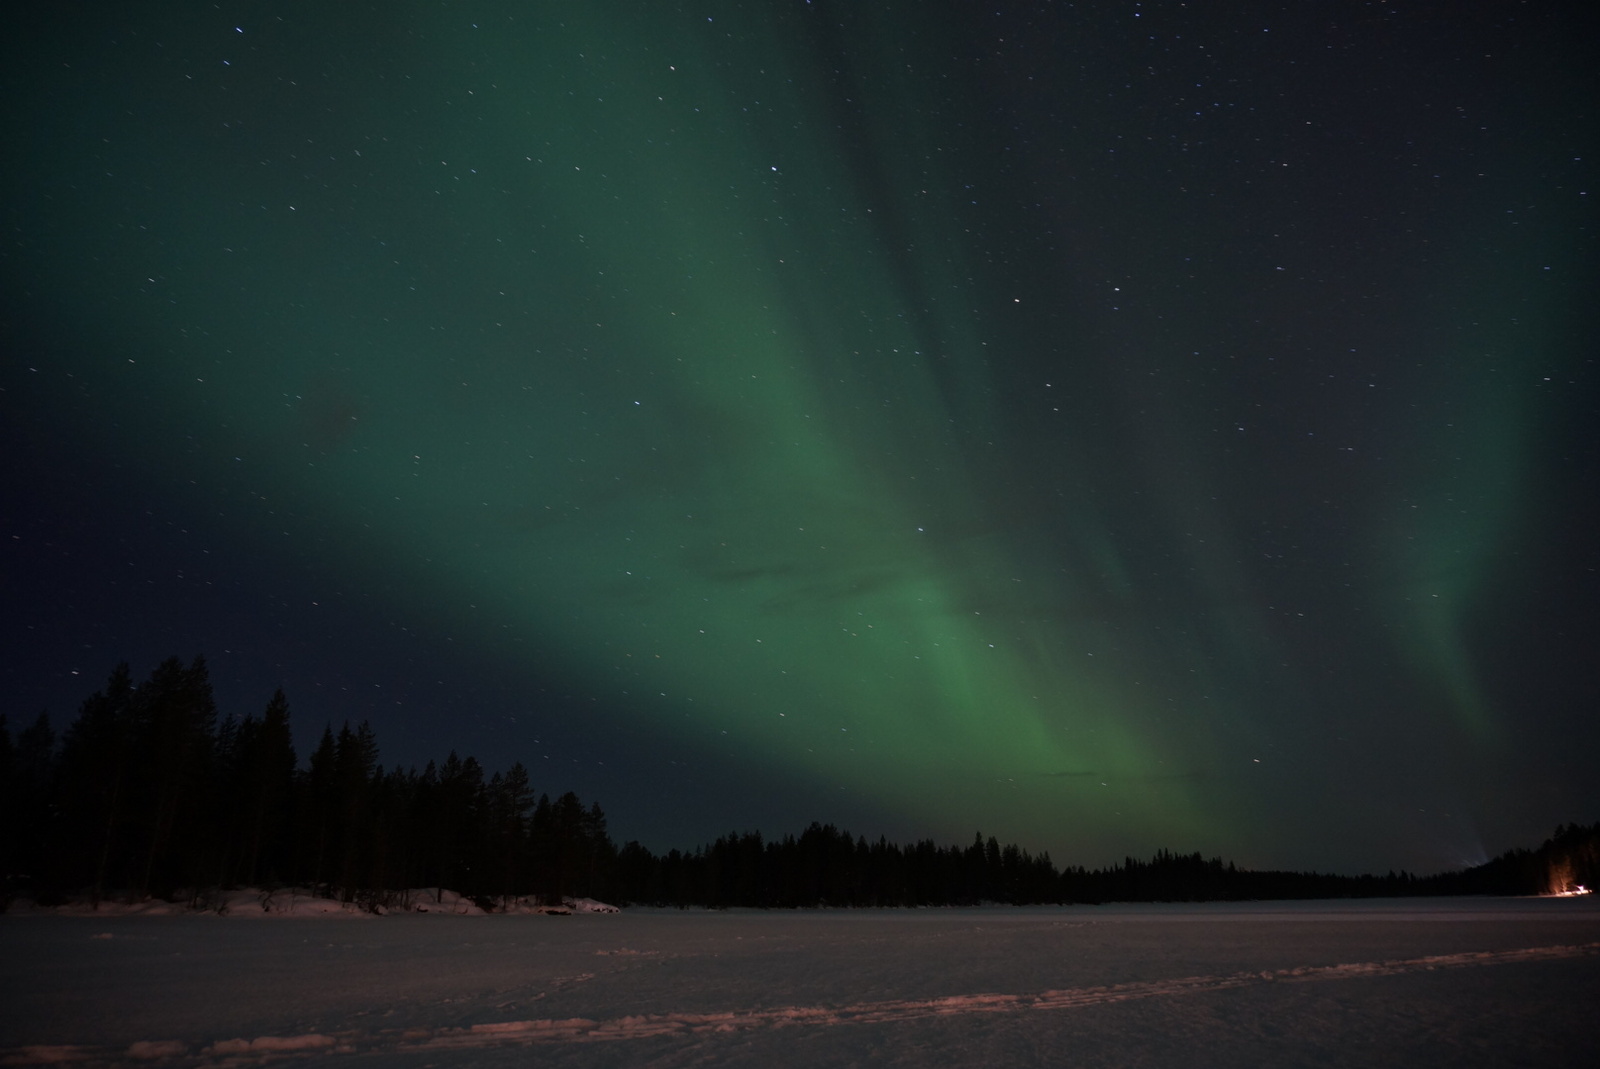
point(175, 723)
point(509, 811)
point(460, 801)
point(267, 769)
point(96, 789)
point(393, 845)
point(31, 823)
point(319, 835)
point(355, 766)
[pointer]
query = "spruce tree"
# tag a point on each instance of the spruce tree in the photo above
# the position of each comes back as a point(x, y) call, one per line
point(94, 789)
point(318, 835)
point(175, 721)
point(27, 773)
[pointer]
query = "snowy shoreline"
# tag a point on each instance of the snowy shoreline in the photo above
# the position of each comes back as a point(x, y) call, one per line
point(300, 902)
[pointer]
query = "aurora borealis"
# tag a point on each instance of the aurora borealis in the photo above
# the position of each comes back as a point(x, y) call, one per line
point(1107, 426)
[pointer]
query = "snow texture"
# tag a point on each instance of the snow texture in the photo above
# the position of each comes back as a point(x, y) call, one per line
point(1436, 982)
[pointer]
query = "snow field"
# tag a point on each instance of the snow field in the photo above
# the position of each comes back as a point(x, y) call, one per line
point(1462, 981)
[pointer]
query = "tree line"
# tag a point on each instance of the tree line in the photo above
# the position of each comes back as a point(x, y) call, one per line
point(150, 792)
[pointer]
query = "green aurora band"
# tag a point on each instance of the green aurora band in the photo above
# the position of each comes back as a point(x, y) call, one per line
point(675, 346)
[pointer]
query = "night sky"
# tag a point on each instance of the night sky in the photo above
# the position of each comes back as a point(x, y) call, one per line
point(1106, 426)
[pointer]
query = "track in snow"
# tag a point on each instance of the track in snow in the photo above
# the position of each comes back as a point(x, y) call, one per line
point(246, 1052)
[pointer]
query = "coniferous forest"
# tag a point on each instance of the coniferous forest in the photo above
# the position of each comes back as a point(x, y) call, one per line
point(149, 792)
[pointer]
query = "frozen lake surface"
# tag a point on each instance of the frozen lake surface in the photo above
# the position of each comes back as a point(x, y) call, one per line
point(1349, 983)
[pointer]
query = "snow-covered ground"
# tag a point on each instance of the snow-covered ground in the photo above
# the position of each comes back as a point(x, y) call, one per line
point(1397, 983)
point(296, 902)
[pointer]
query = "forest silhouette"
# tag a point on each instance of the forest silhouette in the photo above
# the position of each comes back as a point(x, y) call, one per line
point(149, 793)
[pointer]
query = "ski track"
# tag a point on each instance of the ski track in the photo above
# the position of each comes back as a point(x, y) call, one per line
point(251, 1052)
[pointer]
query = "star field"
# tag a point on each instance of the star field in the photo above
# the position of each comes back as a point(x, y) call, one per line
point(1109, 426)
